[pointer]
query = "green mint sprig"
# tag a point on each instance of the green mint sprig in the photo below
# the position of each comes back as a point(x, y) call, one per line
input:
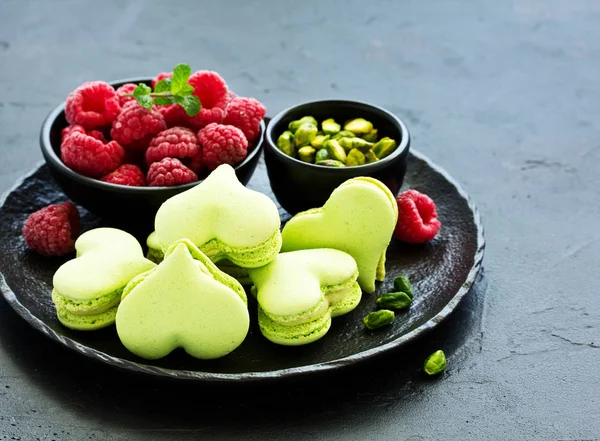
point(174, 90)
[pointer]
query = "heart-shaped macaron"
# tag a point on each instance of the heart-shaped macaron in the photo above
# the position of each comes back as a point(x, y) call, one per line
point(185, 302)
point(87, 289)
point(299, 292)
point(224, 219)
point(358, 218)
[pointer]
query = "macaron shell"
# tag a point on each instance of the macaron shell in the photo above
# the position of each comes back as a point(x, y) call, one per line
point(220, 207)
point(291, 284)
point(293, 335)
point(358, 218)
point(107, 259)
point(181, 305)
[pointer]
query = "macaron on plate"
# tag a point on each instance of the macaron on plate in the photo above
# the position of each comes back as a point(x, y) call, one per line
point(228, 286)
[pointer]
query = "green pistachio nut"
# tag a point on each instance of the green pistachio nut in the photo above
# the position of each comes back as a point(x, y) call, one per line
point(306, 154)
point(285, 142)
point(295, 125)
point(370, 157)
point(319, 140)
point(435, 363)
point(322, 155)
point(343, 134)
point(331, 163)
point(356, 143)
point(358, 126)
point(355, 157)
point(330, 127)
point(394, 300)
point(402, 284)
point(305, 134)
point(336, 151)
point(384, 147)
point(377, 319)
point(371, 136)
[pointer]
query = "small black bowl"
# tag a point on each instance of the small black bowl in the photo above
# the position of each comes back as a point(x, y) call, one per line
point(135, 204)
point(299, 185)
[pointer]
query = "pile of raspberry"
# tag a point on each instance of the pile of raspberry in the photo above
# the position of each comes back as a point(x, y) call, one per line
point(112, 138)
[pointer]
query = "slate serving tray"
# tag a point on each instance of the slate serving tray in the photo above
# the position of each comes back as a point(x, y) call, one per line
point(441, 271)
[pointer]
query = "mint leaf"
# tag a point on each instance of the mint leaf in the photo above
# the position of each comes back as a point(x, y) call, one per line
point(163, 100)
point(191, 104)
point(163, 86)
point(141, 90)
point(186, 90)
point(181, 73)
point(144, 100)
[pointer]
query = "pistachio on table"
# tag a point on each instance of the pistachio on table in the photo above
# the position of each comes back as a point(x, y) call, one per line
point(402, 284)
point(335, 150)
point(355, 157)
point(331, 163)
point(435, 363)
point(305, 134)
point(330, 127)
point(394, 300)
point(285, 142)
point(377, 319)
point(358, 126)
point(306, 154)
point(294, 125)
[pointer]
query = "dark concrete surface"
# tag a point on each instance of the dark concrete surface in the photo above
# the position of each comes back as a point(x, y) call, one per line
point(504, 94)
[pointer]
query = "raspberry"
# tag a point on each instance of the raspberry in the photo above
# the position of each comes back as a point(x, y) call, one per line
point(417, 218)
point(230, 97)
point(160, 76)
point(67, 131)
point(212, 91)
point(135, 126)
point(246, 114)
point(169, 171)
point(89, 156)
point(177, 142)
point(52, 230)
point(93, 104)
point(97, 134)
point(126, 174)
point(222, 144)
point(126, 89)
point(174, 115)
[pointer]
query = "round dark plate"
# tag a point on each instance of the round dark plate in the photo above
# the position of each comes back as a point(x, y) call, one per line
point(441, 271)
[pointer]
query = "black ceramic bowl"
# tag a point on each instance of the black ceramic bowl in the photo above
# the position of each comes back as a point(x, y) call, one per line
point(300, 185)
point(136, 204)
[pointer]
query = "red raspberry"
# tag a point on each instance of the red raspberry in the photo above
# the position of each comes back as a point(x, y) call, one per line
point(93, 104)
point(174, 115)
point(97, 134)
point(222, 144)
point(67, 131)
point(177, 142)
point(230, 97)
point(417, 217)
point(246, 114)
point(52, 230)
point(212, 91)
point(161, 76)
point(89, 156)
point(169, 171)
point(135, 126)
point(126, 174)
point(126, 89)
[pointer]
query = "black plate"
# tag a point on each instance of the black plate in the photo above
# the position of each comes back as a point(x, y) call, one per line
point(441, 271)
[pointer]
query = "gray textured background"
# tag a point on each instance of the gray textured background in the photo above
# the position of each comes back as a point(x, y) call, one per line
point(502, 93)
